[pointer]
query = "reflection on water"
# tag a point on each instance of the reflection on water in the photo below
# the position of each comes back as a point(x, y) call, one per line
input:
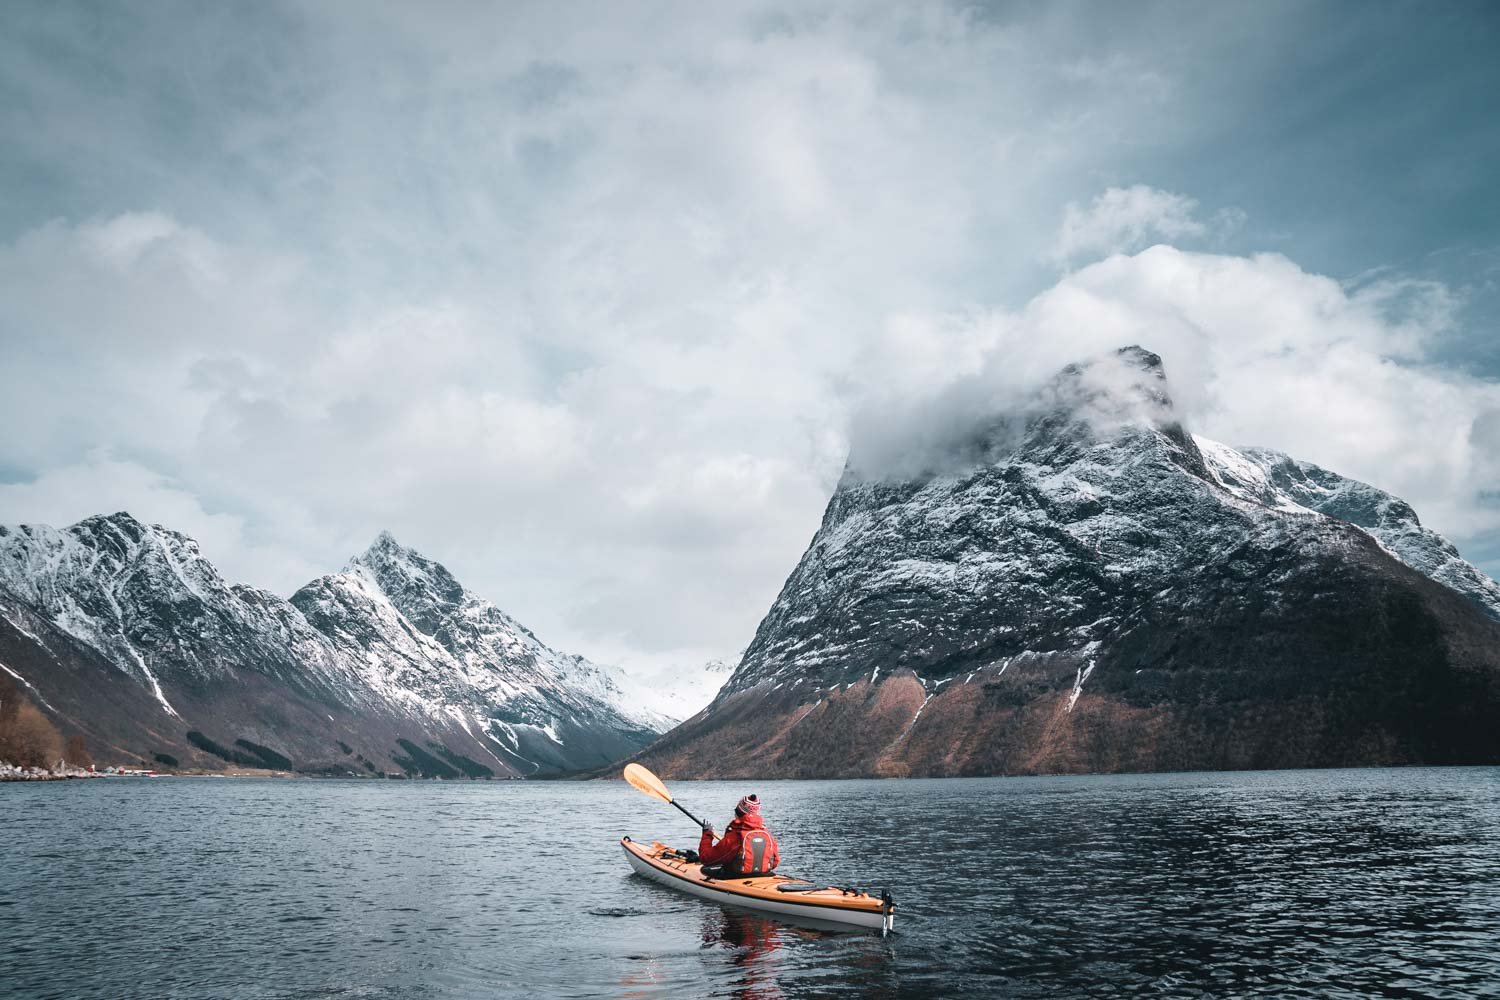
point(1327, 883)
point(752, 942)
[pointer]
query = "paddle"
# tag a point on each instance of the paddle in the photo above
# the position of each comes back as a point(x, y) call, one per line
point(643, 780)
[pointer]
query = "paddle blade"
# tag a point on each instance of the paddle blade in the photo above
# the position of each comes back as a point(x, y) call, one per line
point(644, 781)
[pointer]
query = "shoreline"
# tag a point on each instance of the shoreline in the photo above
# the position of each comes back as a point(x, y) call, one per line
point(9, 772)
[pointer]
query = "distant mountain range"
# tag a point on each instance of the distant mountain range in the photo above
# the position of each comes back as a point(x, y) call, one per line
point(125, 633)
point(1083, 585)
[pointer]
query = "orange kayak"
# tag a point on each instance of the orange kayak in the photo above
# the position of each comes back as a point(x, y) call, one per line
point(776, 894)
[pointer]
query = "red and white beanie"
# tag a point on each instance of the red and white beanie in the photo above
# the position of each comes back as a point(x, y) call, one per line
point(748, 804)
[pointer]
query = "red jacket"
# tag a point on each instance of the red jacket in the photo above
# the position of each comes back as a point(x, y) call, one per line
point(736, 851)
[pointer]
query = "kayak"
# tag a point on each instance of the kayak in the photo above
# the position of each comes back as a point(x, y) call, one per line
point(777, 894)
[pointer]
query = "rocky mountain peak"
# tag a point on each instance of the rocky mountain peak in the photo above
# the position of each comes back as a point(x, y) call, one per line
point(133, 555)
point(421, 589)
point(386, 551)
point(119, 534)
point(1103, 396)
point(1131, 371)
point(121, 521)
point(1087, 417)
point(1139, 357)
point(1097, 401)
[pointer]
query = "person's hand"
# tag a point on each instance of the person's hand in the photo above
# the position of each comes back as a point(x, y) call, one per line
point(708, 828)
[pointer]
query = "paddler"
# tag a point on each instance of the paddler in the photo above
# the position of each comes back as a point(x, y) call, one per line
point(747, 848)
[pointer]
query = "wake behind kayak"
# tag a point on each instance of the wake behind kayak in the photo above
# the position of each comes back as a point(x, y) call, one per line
point(778, 895)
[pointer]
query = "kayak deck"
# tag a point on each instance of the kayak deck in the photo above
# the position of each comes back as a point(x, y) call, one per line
point(779, 894)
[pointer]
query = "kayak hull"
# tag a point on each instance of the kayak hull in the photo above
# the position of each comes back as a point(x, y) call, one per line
point(824, 906)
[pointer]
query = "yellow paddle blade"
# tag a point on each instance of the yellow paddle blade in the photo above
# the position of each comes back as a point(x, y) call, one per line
point(644, 781)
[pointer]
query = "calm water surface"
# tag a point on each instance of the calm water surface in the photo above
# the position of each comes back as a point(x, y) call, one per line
point(1312, 883)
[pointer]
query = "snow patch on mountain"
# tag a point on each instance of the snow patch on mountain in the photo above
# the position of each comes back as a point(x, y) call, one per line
point(1276, 480)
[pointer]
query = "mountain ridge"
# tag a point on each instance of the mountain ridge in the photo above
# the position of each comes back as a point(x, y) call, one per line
point(391, 649)
point(1276, 479)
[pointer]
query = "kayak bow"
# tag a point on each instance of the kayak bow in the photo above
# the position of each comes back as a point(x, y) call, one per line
point(777, 894)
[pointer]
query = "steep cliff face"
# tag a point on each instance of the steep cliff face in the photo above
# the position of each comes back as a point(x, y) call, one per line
point(1082, 585)
point(127, 634)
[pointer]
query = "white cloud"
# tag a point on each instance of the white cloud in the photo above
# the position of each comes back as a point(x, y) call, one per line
point(1258, 352)
point(1126, 219)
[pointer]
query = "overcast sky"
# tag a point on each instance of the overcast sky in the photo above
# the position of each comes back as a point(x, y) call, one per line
point(584, 300)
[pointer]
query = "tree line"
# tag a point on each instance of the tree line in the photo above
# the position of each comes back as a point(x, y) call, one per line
point(28, 738)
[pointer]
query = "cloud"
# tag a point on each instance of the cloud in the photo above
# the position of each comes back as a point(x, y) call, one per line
point(1258, 351)
point(102, 320)
point(1127, 219)
point(1264, 352)
point(102, 484)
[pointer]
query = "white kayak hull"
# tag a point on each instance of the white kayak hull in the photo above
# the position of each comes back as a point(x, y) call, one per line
point(796, 910)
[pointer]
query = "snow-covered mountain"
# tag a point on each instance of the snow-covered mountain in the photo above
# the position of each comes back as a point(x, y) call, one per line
point(1079, 584)
point(697, 688)
point(145, 598)
point(1276, 480)
point(676, 691)
point(420, 640)
point(355, 671)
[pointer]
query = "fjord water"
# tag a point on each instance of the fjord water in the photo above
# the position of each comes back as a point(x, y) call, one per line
point(1294, 883)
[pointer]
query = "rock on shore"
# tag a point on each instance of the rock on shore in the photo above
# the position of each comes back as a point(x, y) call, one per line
point(9, 772)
